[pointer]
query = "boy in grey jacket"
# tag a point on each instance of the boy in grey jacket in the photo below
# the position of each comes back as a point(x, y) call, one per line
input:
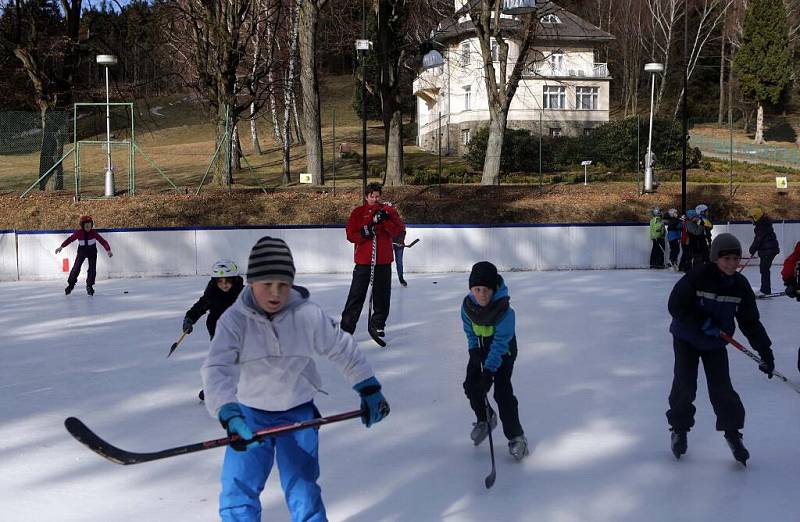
point(260, 372)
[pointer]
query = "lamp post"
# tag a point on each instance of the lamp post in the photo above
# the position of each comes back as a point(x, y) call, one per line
point(362, 46)
point(107, 60)
point(652, 68)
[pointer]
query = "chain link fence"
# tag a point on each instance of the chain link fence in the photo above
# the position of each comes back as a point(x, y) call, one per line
point(32, 148)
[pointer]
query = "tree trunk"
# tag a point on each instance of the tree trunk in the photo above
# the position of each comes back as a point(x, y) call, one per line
point(236, 152)
point(221, 163)
point(394, 150)
point(288, 92)
point(273, 105)
point(254, 130)
point(494, 147)
point(759, 139)
point(721, 81)
point(51, 149)
point(312, 126)
point(298, 131)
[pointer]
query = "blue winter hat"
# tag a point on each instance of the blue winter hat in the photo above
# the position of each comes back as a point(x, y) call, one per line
point(691, 213)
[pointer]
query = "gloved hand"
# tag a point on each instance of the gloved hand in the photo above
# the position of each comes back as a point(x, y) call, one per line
point(58, 250)
point(791, 291)
point(110, 253)
point(487, 379)
point(188, 325)
point(367, 232)
point(232, 418)
point(373, 404)
point(379, 216)
point(710, 328)
point(767, 364)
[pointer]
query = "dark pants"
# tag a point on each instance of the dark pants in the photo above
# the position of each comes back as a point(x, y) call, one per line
point(84, 252)
point(686, 258)
point(657, 253)
point(724, 399)
point(381, 296)
point(503, 391)
point(764, 264)
point(398, 261)
point(674, 250)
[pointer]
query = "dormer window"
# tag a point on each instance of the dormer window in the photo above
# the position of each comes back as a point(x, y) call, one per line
point(550, 19)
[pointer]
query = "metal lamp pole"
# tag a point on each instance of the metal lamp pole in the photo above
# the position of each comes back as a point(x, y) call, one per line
point(107, 60)
point(652, 68)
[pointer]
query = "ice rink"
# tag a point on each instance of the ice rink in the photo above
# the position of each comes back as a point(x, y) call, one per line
point(592, 378)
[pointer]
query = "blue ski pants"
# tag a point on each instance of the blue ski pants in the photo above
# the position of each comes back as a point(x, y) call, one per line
point(244, 473)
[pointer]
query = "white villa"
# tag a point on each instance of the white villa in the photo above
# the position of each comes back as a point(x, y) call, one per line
point(563, 90)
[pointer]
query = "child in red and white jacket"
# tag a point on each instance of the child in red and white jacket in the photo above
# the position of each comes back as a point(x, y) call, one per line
point(87, 249)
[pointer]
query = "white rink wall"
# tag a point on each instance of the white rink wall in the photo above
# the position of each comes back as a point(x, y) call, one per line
point(29, 255)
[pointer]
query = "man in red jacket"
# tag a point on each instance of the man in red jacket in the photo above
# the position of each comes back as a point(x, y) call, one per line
point(371, 223)
point(87, 249)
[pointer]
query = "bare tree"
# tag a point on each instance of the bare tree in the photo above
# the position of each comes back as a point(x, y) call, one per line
point(309, 21)
point(288, 89)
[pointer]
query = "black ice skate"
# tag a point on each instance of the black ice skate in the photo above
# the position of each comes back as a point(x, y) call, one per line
point(201, 395)
point(377, 334)
point(480, 429)
point(734, 440)
point(518, 447)
point(90, 290)
point(678, 443)
point(68, 289)
point(403, 282)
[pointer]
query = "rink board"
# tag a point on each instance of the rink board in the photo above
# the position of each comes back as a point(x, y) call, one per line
point(324, 249)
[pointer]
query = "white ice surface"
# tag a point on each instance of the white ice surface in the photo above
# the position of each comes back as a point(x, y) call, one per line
point(592, 378)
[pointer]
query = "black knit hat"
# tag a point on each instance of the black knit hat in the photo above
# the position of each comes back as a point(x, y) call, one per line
point(725, 244)
point(270, 260)
point(484, 274)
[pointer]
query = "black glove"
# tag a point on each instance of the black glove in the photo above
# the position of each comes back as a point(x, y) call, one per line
point(767, 364)
point(487, 378)
point(367, 232)
point(188, 325)
point(791, 291)
point(380, 216)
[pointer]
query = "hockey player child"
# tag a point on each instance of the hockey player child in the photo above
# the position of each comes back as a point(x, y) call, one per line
point(220, 293)
point(702, 304)
point(488, 322)
point(765, 244)
point(708, 226)
point(86, 236)
point(674, 226)
point(260, 373)
point(791, 273)
point(371, 223)
point(696, 234)
point(657, 231)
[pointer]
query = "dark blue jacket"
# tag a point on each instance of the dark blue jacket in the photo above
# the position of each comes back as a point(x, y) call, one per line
point(705, 292)
point(765, 242)
point(214, 301)
point(490, 327)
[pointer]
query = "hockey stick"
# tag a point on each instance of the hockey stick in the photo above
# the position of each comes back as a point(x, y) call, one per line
point(372, 262)
point(489, 480)
point(91, 440)
point(747, 262)
point(756, 358)
point(176, 343)
point(403, 245)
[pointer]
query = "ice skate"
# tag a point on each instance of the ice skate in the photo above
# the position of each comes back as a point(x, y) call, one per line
point(403, 282)
point(201, 395)
point(678, 443)
point(734, 440)
point(90, 289)
point(518, 447)
point(480, 429)
point(68, 289)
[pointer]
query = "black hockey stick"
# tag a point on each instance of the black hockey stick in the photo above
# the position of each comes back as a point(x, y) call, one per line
point(489, 480)
point(176, 343)
point(408, 245)
point(756, 358)
point(373, 333)
point(91, 440)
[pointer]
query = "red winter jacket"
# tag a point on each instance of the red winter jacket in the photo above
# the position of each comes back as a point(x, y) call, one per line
point(788, 265)
point(86, 239)
point(385, 231)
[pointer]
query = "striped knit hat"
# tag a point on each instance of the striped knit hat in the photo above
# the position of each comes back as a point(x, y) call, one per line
point(270, 260)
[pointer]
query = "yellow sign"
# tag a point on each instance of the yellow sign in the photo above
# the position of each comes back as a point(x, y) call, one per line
point(782, 182)
point(305, 177)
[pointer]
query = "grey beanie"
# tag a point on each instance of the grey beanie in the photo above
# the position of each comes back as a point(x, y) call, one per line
point(725, 244)
point(270, 260)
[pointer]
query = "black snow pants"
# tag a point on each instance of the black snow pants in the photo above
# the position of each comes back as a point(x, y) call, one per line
point(764, 265)
point(84, 252)
point(503, 391)
point(657, 253)
point(381, 296)
point(724, 399)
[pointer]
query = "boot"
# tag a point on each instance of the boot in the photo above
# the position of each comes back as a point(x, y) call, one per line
point(678, 443)
point(90, 289)
point(480, 429)
point(734, 440)
point(68, 289)
point(201, 395)
point(518, 447)
point(403, 282)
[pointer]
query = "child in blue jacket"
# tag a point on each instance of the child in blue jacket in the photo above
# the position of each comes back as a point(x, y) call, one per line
point(489, 325)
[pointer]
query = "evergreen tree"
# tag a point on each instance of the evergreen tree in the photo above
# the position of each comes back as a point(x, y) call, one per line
point(762, 64)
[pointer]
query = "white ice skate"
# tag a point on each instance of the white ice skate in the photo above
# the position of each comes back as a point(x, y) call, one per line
point(480, 429)
point(518, 447)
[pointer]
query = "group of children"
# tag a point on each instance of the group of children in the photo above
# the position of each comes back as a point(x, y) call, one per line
point(688, 235)
point(265, 334)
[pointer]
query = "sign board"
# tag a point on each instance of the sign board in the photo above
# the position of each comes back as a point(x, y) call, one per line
point(781, 182)
point(305, 177)
point(586, 163)
point(363, 45)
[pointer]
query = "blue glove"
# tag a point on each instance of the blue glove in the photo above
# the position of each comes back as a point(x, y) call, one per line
point(492, 362)
point(373, 404)
point(187, 325)
point(232, 418)
point(710, 329)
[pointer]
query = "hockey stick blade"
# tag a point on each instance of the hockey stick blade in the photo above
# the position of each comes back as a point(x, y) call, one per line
point(775, 373)
point(91, 440)
point(412, 243)
point(175, 344)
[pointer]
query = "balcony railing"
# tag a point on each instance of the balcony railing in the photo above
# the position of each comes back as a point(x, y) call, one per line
point(598, 70)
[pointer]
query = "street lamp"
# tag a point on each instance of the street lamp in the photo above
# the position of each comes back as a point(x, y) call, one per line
point(652, 68)
point(107, 60)
point(362, 46)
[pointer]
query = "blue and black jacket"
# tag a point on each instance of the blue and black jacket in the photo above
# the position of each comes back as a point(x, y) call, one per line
point(707, 293)
point(490, 328)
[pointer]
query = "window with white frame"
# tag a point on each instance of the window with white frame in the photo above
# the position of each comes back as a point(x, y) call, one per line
point(586, 98)
point(550, 19)
point(556, 59)
point(554, 96)
point(465, 53)
point(555, 131)
point(467, 98)
point(466, 136)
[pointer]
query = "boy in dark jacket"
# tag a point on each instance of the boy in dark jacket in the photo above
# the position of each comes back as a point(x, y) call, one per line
point(703, 304)
point(87, 249)
point(221, 292)
point(765, 244)
point(488, 321)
